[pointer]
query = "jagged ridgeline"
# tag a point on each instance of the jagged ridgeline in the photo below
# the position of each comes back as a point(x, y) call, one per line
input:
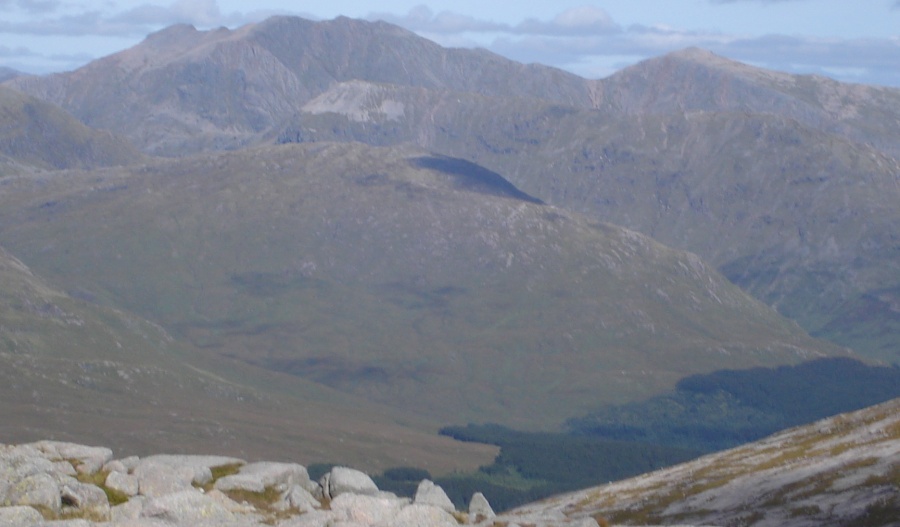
point(431, 285)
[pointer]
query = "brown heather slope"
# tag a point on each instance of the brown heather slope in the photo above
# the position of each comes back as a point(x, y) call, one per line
point(72, 370)
point(840, 471)
point(422, 282)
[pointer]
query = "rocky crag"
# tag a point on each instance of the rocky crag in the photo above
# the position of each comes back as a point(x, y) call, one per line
point(51, 483)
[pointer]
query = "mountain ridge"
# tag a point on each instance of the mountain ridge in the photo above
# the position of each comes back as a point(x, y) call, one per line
point(259, 63)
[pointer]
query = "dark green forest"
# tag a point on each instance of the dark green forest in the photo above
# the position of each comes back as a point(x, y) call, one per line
point(703, 414)
point(727, 408)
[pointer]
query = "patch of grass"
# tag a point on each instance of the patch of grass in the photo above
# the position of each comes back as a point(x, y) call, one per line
point(72, 513)
point(261, 500)
point(98, 479)
point(880, 513)
point(225, 470)
point(220, 472)
point(892, 477)
point(749, 519)
point(264, 503)
point(805, 511)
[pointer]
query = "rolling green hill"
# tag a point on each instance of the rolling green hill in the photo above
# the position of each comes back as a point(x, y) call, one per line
point(422, 282)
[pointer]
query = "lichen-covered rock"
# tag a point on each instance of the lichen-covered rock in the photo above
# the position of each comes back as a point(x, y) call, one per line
point(366, 510)
point(19, 515)
point(122, 482)
point(88, 499)
point(310, 519)
point(37, 490)
point(186, 506)
point(115, 465)
point(430, 494)
point(130, 510)
point(479, 508)
point(343, 480)
point(422, 516)
point(297, 498)
point(158, 479)
point(87, 459)
point(200, 466)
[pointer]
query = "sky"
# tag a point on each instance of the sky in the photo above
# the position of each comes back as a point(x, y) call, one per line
point(849, 40)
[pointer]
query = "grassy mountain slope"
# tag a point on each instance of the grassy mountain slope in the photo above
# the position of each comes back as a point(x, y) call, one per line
point(72, 370)
point(423, 282)
point(844, 470)
point(38, 134)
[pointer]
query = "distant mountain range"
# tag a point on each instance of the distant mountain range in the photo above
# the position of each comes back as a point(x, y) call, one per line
point(445, 234)
point(785, 183)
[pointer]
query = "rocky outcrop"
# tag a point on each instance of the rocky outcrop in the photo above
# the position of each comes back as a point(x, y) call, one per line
point(60, 484)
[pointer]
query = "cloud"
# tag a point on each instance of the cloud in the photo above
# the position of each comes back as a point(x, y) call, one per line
point(585, 20)
point(756, 1)
point(135, 22)
point(197, 12)
point(31, 6)
point(423, 19)
point(579, 20)
point(584, 40)
point(17, 52)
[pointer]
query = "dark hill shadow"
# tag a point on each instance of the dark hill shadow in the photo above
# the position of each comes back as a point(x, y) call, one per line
point(475, 178)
